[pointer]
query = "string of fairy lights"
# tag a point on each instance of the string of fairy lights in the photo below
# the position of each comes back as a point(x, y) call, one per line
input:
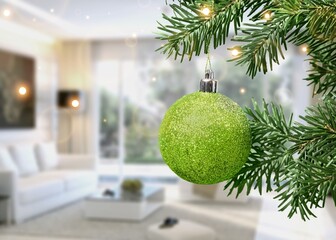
point(267, 16)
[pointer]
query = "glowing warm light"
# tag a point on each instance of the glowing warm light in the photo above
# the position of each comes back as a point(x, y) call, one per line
point(105, 120)
point(267, 16)
point(304, 49)
point(75, 103)
point(206, 11)
point(242, 91)
point(22, 91)
point(7, 12)
point(134, 35)
point(154, 79)
point(235, 52)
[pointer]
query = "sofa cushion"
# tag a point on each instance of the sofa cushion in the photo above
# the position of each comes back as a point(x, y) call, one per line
point(39, 187)
point(6, 161)
point(75, 178)
point(46, 154)
point(25, 159)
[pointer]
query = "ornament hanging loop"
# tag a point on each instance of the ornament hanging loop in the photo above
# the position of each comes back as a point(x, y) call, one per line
point(209, 74)
point(209, 84)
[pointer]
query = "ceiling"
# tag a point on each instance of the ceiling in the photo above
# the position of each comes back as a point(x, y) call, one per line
point(87, 19)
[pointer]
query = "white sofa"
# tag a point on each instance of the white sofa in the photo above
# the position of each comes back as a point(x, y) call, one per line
point(38, 180)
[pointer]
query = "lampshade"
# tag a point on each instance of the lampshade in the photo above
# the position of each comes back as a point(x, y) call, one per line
point(70, 99)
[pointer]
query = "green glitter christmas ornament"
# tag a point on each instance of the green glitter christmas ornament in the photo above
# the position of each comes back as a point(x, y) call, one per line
point(205, 136)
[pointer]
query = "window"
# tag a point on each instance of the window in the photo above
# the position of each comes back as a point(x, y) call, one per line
point(137, 86)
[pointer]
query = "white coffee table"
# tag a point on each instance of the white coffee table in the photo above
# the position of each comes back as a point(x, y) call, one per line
point(124, 206)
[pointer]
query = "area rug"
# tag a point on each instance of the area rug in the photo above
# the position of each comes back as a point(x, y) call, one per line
point(229, 220)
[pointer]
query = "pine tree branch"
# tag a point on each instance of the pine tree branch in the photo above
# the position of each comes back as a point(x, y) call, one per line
point(322, 20)
point(298, 161)
point(292, 22)
point(313, 175)
point(264, 43)
point(308, 182)
point(318, 32)
point(313, 22)
point(302, 182)
point(270, 135)
point(189, 32)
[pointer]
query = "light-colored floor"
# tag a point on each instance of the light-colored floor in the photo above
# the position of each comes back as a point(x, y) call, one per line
point(272, 224)
point(11, 237)
point(275, 225)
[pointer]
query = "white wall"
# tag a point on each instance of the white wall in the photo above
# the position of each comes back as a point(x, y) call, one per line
point(24, 41)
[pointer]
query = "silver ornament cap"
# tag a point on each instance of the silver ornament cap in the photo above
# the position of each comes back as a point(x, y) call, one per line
point(209, 84)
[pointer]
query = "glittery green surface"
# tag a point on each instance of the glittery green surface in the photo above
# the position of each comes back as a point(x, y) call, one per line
point(205, 138)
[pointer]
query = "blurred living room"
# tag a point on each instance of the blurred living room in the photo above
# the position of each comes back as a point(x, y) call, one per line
point(83, 92)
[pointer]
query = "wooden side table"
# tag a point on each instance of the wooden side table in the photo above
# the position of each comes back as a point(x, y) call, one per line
point(6, 200)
